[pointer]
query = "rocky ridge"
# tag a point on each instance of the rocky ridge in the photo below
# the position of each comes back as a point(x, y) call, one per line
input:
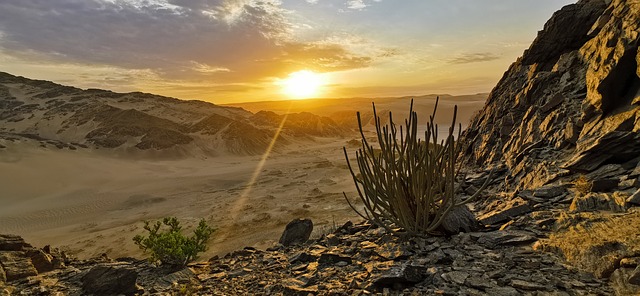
point(70, 118)
point(561, 132)
point(570, 104)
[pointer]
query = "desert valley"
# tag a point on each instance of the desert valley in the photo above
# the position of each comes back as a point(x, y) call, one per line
point(538, 194)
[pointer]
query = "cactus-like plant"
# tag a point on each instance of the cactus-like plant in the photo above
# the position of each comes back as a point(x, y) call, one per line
point(407, 181)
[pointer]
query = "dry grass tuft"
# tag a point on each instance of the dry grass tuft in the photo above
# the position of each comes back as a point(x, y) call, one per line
point(596, 241)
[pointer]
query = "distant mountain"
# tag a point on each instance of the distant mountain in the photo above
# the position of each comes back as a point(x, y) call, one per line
point(343, 110)
point(72, 118)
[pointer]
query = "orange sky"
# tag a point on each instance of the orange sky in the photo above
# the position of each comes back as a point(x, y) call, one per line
point(226, 51)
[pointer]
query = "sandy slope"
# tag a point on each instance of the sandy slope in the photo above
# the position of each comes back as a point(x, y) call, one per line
point(90, 203)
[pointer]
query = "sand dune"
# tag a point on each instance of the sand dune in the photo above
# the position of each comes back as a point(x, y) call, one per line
point(88, 202)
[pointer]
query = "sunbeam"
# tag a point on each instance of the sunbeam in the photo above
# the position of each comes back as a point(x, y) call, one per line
point(242, 200)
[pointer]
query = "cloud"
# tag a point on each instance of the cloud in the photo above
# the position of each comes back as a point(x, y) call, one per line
point(468, 58)
point(356, 4)
point(223, 40)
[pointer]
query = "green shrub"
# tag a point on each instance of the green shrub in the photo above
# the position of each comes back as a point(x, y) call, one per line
point(167, 245)
point(406, 181)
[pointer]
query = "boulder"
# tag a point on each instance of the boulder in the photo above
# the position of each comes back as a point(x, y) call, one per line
point(16, 265)
point(459, 219)
point(110, 279)
point(42, 261)
point(296, 232)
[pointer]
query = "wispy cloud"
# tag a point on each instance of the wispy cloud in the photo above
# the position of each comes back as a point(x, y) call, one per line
point(467, 58)
point(226, 40)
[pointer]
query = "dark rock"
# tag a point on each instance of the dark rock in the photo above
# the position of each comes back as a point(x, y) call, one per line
point(329, 258)
point(10, 242)
point(508, 211)
point(481, 283)
point(634, 279)
point(345, 227)
point(332, 240)
point(302, 257)
point(604, 185)
point(16, 265)
point(42, 261)
point(525, 285)
point(181, 276)
point(597, 202)
point(549, 191)
point(456, 277)
point(297, 231)
point(606, 171)
point(636, 171)
point(552, 103)
point(503, 291)
point(402, 273)
point(459, 219)
point(110, 279)
point(504, 237)
point(634, 199)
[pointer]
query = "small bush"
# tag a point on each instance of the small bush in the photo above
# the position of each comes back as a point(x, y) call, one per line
point(169, 246)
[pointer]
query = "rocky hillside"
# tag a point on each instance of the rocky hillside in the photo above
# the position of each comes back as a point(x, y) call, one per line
point(71, 118)
point(561, 132)
point(571, 103)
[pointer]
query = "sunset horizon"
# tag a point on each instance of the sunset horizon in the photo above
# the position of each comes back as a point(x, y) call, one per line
point(236, 51)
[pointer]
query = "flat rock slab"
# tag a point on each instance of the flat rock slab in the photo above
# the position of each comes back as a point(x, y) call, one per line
point(512, 208)
point(549, 191)
point(504, 237)
point(403, 274)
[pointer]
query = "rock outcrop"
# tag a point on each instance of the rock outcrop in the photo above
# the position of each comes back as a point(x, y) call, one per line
point(561, 131)
point(571, 103)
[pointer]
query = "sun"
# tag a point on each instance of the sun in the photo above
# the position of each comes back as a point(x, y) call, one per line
point(302, 84)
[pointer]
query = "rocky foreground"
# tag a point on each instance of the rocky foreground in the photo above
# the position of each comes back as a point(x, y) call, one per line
point(358, 259)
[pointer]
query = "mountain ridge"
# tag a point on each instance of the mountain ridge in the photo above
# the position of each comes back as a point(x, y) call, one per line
point(74, 118)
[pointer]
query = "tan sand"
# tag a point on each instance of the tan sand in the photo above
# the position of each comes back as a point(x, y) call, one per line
point(89, 203)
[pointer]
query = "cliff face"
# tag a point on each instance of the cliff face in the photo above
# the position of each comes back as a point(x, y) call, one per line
point(571, 103)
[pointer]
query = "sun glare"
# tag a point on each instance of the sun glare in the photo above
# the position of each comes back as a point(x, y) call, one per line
point(302, 84)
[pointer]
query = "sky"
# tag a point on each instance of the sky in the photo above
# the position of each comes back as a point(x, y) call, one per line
point(227, 51)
